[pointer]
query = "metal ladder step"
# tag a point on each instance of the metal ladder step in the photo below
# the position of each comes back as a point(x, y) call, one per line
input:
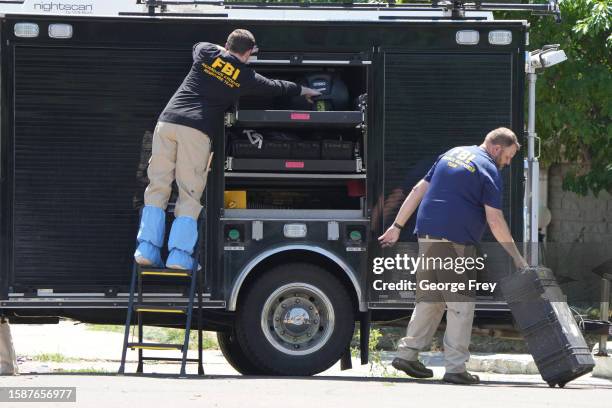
point(189, 360)
point(144, 308)
point(172, 273)
point(155, 346)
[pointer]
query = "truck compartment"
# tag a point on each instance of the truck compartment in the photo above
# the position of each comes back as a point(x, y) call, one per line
point(287, 153)
point(315, 196)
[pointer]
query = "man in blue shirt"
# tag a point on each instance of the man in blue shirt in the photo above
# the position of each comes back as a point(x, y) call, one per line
point(459, 196)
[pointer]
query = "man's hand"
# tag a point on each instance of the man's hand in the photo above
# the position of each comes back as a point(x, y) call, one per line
point(309, 93)
point(520, 263)
point(408, 207)
point(390, 237)
point(501, 232)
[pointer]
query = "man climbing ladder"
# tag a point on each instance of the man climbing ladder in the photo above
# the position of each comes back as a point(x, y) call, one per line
point(182, 143)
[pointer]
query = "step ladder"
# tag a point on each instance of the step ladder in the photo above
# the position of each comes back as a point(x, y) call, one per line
point(140, 308)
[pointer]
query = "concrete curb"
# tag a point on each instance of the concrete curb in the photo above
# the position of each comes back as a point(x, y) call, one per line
point(603, 365)
point(503, 364)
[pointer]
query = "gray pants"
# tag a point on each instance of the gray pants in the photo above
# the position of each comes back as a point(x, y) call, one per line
point(427, 315)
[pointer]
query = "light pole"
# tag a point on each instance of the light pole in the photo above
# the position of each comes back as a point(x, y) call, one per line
point(535, 62)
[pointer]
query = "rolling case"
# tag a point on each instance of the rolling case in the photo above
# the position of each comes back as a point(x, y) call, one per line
point(548, 325)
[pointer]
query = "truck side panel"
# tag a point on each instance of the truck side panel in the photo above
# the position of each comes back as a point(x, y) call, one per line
point(81, 107)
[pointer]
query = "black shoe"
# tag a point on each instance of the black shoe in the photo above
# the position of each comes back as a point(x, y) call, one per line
point(412, 368)
point(464, 378)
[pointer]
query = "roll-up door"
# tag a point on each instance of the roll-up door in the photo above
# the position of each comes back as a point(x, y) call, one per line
point(437, 101)
point(79, 120)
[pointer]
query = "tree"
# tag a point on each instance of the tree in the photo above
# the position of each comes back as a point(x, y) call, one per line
point(573, 107)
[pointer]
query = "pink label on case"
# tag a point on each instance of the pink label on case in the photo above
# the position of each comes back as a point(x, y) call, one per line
point(294, 165)
point(300, 116)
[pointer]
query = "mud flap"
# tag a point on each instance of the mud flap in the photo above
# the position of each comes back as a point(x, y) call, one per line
point(364, 336)
point(345, 360)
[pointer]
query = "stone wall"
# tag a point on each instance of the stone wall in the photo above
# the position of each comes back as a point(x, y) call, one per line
point(579, 239)
point(576, 218)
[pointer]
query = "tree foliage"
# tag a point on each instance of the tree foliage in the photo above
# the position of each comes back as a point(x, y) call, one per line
point(573, 98)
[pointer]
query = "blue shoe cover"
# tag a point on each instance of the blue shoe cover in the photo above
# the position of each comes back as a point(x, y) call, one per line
point(183, 236)
point(148, 254)
point(152, 225)
point(179, 260)
point(150, 237)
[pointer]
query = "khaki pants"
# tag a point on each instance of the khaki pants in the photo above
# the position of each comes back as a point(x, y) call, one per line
point(181, 153)
point(8, 360)
point(427, 315)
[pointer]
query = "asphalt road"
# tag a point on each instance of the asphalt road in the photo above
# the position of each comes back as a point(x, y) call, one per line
point(97, 354)
point(236, 391)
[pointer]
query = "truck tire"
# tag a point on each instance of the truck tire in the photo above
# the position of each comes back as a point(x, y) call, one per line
point(295, 319)
point(234, 355)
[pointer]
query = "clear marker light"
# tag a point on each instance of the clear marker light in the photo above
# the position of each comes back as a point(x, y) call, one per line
point(294, 230)
point(500, 37)
point(60, 30)
point(467, 37)
point(26, 30)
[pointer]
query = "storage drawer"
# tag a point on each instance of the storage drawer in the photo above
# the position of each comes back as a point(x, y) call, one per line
point(306, 149)
point(337, 150)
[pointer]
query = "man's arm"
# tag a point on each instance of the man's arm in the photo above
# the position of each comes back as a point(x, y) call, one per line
point(198, 47)
point(259, 85)
point(262, 86)
point(501, 232)
point(410, 204)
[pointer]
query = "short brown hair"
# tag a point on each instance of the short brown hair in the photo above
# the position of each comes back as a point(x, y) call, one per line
point(502, 137)
point(240, 41)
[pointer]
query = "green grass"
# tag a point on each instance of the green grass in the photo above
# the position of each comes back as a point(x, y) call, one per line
point(164, 335)
point(115, 328)
point(54, 358)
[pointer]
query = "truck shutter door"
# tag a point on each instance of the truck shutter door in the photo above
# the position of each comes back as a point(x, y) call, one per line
point(80, 116)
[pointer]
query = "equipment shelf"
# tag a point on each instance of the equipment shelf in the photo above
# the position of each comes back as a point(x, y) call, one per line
point(326, 176)
point(289, 118)
point(293, 165)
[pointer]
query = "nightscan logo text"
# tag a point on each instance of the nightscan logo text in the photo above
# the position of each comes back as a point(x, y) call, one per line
point(64, 7)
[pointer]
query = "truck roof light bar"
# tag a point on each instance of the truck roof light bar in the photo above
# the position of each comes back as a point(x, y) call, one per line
point(456, 7)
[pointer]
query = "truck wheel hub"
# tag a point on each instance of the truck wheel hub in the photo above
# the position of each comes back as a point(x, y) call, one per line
point(297, 319)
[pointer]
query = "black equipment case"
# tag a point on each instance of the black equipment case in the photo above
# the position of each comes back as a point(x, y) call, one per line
point(548, 325)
